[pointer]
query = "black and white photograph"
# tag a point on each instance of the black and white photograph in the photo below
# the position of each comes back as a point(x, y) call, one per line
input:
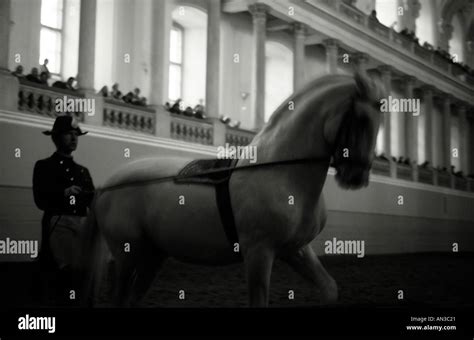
point(237, 167)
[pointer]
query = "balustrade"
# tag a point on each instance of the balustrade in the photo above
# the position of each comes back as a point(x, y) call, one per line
point(191, 130)
point(38, 99)
point(126, 116)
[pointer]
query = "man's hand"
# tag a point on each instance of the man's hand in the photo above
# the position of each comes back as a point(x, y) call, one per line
point(72, 190)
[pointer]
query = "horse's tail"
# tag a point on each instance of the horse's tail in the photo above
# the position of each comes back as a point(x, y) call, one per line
point(91, 260)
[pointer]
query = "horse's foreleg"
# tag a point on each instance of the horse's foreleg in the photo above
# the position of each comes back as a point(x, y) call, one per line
point(306, 263)
point(258, 262)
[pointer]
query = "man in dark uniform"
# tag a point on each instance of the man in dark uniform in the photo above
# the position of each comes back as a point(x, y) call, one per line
point(63, 189)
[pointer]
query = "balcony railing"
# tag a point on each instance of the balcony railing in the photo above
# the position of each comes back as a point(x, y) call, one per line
point(239, 137)
point(126, 116)
point(425, 175)
point(461, 183)
point(38, 99)
point(444, 179)
point(381, 167)
point(390, 36)
point(191, 129)
point(404, 172)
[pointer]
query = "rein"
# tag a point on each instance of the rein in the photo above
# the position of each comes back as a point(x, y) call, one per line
point(221, 170)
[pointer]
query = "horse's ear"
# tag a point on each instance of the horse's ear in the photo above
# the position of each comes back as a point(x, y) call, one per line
point(364, 86)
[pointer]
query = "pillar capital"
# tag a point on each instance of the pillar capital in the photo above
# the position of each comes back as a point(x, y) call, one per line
point(299, 29)
point(385, 70)
point(409, 80)
point(428, 89)
point(259, 11)
point(331, 42)
point(361, 57)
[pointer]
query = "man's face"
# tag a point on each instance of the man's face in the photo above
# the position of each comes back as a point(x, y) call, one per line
point(68, 141)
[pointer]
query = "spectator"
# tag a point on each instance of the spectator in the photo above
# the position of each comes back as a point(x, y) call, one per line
point(44, 78)
point(176, 108)
point(136, 95)
point(116, 94)
point(44, 68)
point(104, 91)
point(69, 85)
point(128, 98)
point(189, 111)
point(33, 76)
point(199, 111)
point(142, 101)
point(18, 72)
point(373, 15)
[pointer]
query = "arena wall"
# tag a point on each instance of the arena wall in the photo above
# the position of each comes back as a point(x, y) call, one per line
point(430, 218)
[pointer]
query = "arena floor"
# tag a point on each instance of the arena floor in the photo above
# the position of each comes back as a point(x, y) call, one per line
point(428, 280)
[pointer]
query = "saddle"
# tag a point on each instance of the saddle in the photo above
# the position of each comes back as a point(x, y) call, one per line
point(216, 172)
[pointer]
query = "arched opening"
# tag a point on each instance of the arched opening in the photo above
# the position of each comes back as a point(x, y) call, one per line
point(188, 48)
point(278, 76)
point(425, 23)
point(456, 44)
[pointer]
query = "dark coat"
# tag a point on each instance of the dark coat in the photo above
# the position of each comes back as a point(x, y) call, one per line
point(52, 176)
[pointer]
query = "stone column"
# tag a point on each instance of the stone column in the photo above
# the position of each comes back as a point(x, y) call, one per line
point(299, 31)
point(160, 52)
point(463, 139)
point(259, 15)
point(386, 73)
point(445, 32)
point(5, 12)
point(360, 61)
point(331, 55)
point(9, 85)
point(446, 131)
point(411, 123)
point(85, 78)
point(213, 58)
point(429, 121)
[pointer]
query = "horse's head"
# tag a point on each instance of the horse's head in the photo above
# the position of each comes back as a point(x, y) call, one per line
point(354, 134)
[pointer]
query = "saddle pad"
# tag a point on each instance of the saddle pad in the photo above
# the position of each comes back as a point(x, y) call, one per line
point(195, 171)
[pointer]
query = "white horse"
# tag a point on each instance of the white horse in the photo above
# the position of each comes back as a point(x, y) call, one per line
point(335, 117)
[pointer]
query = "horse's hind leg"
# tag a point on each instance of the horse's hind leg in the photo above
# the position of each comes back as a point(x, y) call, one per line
point(144, 276)
point(306, 263)
point(258, 262)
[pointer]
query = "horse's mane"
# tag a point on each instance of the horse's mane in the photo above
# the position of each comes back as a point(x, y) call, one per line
point(313, 90)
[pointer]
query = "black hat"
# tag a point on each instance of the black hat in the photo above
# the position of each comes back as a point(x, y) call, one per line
point(64, 124)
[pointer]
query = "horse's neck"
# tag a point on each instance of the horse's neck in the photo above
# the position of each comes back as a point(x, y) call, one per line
point(299, 133)
point(295, 136)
